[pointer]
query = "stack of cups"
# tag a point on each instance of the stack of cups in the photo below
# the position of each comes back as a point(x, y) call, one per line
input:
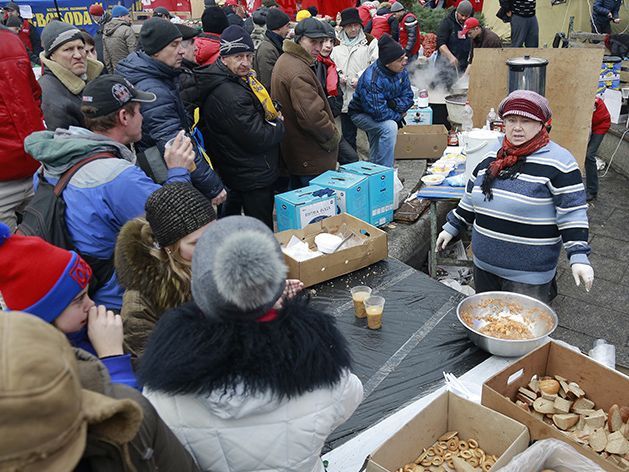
point(368, 306)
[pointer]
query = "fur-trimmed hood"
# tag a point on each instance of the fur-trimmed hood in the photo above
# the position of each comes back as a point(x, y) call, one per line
point(300, 351)
point(138, 270)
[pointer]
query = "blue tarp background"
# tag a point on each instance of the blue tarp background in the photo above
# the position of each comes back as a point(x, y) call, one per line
point(74, 12)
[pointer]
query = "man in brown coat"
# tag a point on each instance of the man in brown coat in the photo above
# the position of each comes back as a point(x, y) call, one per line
point(481, 37)
point(310, 144)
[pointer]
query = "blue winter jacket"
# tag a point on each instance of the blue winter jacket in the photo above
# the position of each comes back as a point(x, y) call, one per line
point(166, 116)
point(101, 197)
point(382, 94)
point(602, 8)
point(119, 367)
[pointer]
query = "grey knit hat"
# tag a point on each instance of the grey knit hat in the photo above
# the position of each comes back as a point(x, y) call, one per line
point(465, 8)
point(238, 269)
point(177, 210)
point(57, 33)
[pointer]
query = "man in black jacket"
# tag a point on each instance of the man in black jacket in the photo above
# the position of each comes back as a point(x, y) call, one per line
point(242, 128)
point(453, 46)
point(524, 26)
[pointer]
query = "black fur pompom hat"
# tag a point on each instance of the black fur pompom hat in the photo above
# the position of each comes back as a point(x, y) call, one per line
point(238, 269)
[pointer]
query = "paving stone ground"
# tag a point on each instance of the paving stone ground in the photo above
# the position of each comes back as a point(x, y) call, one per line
point(604, 311)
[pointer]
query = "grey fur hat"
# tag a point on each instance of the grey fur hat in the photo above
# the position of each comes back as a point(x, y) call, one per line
point(238, 269)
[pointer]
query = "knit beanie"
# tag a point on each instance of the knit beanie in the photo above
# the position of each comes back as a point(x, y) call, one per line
point(397, 7)
point(389, 50)
point(119, 11)
point(12, 6)
point(37, 277)
point(302, 15)
point(526, 103)
point(96, 10)
point(235, 40)
point(177, 210)
point(214, 20)
point(276, 18)
point(269, 3)
point(57, 33)
point(156, 34)
point(238, 269)
point(465, 8)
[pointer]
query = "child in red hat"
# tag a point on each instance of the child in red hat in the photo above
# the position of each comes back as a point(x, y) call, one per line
point(51, 283)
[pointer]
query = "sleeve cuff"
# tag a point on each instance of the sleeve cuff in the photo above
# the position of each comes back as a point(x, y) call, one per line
point(450, 228)
point(579, 258)
point(178, 174)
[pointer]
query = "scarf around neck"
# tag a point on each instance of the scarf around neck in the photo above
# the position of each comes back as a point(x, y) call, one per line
point(331, 76)
point(270, 112)
point(510, 159)
point(346, 41)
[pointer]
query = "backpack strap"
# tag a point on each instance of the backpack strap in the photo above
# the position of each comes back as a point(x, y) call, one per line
point(68, 174)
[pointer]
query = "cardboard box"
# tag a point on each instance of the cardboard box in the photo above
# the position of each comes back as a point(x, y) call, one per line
point(601, 385)
point(352, 192)
point(421, 142)
point(344, 261)
point(381, 192)
point(299, 208)
point(495, 433)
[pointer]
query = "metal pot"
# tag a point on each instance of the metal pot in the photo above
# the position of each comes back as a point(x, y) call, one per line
point(456, 107)
point(544, 321)
point(527, 73)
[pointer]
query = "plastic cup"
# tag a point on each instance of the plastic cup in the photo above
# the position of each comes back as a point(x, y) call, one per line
point(359, 295)
point(374, 306)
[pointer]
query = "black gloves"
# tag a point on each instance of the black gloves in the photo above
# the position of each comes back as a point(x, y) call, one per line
point(401, 124)
point(391, 105)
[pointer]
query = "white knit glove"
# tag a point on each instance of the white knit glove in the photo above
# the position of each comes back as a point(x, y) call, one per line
point(443, 240)
point(585, 273)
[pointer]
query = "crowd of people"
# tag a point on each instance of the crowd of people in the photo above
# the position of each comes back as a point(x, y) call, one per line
point(136, 236)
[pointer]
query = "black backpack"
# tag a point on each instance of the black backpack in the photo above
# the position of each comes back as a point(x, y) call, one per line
point(45, 217)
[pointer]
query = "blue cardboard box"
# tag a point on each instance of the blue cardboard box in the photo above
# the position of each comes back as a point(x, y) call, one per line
point(352, 192)
point(420, 116)
point(299, 208)
point(380, 180)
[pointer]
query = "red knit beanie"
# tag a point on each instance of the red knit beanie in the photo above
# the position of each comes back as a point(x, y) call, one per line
point(96, 10)
point(37, 277)
point(525, 103)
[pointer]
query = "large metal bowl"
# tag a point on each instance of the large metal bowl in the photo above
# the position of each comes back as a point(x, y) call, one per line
point(542, 321)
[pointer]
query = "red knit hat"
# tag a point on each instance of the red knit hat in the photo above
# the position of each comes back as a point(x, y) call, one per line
point(37, 277)
point(96, 10)
point(525, 103)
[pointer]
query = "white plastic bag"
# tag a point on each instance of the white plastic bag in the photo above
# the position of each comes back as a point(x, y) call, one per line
point(550, 454)
point(398, 186)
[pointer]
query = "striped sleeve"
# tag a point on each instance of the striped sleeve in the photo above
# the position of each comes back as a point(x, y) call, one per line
point(568, 192)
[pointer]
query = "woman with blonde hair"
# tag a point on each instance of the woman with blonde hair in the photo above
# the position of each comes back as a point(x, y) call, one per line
point(153, 259)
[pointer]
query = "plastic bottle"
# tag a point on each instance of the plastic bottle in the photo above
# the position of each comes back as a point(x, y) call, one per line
point(468, 113)
point(491, 117)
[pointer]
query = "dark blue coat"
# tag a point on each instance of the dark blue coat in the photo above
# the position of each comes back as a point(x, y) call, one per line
point(166, 116)
point(377, 89)
point(602, 8)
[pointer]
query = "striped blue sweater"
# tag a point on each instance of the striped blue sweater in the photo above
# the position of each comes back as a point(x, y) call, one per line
point(518, 234)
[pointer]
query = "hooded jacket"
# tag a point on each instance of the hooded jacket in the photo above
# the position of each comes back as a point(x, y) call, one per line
point(150, 288)
point(310, 146)
point(20, 113)
point(267, 54)
point(240, 398)
point(118, 42)
point(208, 48)
point(153, 447)
point(62, 93)
point(377, 88)
point(166, 116)
point(101, 197)
point(257, 35)
point(244, 146)
point(352, 57)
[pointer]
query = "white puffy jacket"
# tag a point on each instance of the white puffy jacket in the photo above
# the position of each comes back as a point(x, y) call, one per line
point(352, 61)
point(240, 433)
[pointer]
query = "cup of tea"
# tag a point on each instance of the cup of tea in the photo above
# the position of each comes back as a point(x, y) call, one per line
point(359, 295)
point(374, 306)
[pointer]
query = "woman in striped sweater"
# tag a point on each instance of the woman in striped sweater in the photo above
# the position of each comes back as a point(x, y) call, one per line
point(523, 201)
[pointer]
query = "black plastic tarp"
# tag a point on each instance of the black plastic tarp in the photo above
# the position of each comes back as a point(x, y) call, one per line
point(420, 338)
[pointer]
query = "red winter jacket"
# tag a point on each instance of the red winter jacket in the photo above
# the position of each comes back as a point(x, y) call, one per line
point(20, 112)
point(380, 24)
point(208, 46)
point(601, 121)
point(365, 14)
point(410, 34)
